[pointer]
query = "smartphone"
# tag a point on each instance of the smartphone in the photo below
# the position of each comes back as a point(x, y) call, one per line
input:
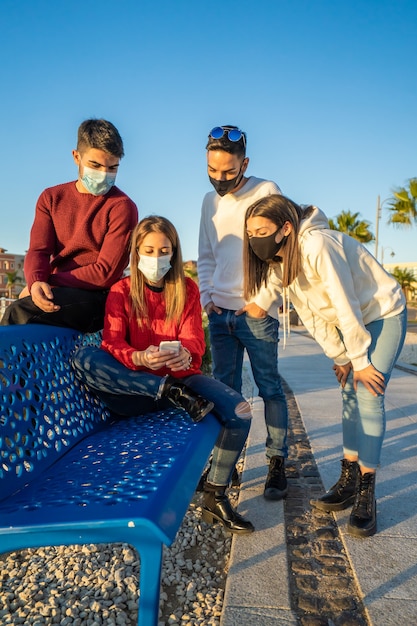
point(170, 345)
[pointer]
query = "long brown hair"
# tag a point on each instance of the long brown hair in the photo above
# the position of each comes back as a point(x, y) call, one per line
point(279, 210)
point(174, 280)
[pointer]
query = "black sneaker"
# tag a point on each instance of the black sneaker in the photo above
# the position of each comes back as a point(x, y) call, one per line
point(276, 486)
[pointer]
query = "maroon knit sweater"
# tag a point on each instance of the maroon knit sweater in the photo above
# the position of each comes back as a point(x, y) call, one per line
point(80, 240)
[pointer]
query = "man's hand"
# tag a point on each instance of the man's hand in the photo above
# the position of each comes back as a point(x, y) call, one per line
point(373, 380)
point(342, 372)
point(210, 306)
point(43, 297)
point(253, 310)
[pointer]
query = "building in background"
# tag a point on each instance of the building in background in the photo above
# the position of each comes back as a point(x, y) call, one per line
point(12, 279)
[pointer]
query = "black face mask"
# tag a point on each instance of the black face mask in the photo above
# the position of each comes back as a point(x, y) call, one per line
point(266, 248)
point(225, 186)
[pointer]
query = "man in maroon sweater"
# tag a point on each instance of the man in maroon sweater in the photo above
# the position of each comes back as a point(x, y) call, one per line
point(79, 242)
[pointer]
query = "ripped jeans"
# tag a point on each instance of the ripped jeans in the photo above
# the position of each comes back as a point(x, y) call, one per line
point(132, 392)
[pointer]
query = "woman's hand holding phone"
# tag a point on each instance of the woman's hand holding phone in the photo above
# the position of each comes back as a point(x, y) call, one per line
point(179, 358)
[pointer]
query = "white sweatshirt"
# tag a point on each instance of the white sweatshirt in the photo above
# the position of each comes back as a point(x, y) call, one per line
point(341, 286)
point(220, 254)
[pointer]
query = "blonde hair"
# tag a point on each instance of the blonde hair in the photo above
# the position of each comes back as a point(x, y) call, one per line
point(174, 281)
point(279, 210)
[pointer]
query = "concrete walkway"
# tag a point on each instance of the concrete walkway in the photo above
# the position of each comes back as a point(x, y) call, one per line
point(257, 591)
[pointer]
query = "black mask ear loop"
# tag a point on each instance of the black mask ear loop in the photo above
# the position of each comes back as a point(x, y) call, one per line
point(240, 175)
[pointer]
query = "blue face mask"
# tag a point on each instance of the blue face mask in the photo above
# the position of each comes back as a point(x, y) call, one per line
point(97, 182)
point(154, 267)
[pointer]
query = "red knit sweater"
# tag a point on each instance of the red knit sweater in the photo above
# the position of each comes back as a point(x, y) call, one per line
point(122, 336)
point(80, 240)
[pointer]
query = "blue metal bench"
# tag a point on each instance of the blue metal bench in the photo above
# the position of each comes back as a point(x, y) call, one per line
point(72, 472)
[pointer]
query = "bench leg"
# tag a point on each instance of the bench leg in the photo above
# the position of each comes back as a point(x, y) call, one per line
point(150, 553)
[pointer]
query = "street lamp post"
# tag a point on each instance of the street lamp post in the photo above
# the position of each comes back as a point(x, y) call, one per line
point(379, 206)
point(382, 253)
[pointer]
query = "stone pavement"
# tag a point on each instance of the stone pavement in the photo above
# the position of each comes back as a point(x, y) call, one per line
point(300, 567)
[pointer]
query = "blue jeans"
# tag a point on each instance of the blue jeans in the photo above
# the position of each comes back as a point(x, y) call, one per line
point(130, 392)
point(230, 334)
point(363, 417)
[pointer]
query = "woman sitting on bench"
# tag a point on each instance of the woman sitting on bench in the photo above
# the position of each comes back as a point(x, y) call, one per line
point(151, 353)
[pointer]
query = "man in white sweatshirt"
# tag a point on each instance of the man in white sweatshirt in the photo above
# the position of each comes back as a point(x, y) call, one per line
point(236, 325)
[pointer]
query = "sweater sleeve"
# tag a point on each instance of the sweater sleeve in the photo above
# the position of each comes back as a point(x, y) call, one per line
point(191, 333)
point(116, 326)
point(332, 268)
point(113, 255)
point(324, 333)
point(42, 244)
point(206, 261)
point(269, 298)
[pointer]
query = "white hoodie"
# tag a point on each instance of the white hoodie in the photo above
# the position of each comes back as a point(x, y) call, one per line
point(340, 287)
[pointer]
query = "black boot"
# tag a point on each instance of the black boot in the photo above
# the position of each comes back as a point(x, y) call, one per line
point(362, 522)
point(217, 507)
point(342, 494)
point(276, 486)
point(185, 398)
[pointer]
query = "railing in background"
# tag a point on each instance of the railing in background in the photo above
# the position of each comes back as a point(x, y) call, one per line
point(4, 303)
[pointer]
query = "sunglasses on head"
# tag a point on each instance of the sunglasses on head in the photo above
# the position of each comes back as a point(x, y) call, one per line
point(233, 134)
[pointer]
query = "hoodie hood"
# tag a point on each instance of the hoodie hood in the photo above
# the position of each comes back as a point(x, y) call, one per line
point(315, 220)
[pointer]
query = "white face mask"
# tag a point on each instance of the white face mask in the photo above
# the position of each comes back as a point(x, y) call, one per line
point(154, 267)
point(97, 182)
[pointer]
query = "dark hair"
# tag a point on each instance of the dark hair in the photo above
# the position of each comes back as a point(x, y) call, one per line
point(279, 210)
point(102, 135)
point(224, 143)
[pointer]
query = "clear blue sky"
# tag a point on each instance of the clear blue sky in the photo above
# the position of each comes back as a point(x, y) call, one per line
point(325, 89)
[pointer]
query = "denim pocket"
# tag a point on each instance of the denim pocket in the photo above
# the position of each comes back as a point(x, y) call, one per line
point(264, 328)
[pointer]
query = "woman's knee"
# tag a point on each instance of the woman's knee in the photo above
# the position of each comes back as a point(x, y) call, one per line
point(243, 410)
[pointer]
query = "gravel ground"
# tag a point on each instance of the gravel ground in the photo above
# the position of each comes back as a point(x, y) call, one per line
point(97, 585)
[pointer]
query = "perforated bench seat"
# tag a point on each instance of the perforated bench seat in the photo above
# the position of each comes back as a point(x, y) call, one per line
point(72, 472)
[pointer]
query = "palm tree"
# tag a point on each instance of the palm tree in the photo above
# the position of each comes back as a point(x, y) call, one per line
point(403, 205)
point(406, 279)
point(347, 222)
point(13, 279)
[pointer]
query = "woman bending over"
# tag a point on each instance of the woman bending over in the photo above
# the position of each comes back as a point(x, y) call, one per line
point(355, 310)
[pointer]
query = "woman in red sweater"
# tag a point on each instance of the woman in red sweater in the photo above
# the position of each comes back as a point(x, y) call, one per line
point(132, 373)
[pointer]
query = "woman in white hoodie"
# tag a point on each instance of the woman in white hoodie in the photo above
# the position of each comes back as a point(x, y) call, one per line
point(355, 310)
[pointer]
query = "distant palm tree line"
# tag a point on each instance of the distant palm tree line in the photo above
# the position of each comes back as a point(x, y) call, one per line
point(403, 213)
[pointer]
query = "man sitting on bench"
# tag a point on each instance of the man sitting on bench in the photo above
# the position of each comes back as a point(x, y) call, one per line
point(79, 239)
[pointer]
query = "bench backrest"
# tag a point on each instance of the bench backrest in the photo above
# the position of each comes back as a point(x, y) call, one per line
point(44, 409)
